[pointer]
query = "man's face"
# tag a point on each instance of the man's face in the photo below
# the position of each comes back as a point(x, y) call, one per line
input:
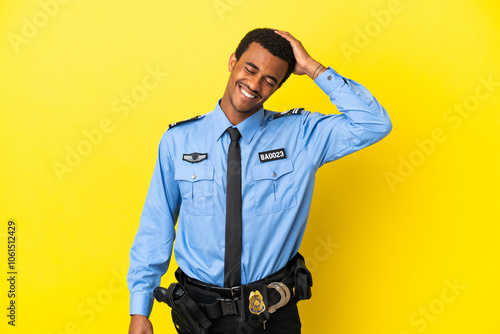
point(254, 78)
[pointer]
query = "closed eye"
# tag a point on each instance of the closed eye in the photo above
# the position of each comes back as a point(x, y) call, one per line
point(270, 83)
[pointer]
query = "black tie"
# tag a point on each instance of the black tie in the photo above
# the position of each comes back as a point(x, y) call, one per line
point(232, 257)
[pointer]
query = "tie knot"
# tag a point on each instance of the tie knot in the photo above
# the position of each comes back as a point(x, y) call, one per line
point(234, 134)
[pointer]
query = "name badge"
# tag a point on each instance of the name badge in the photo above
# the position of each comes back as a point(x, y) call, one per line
point(272, 155)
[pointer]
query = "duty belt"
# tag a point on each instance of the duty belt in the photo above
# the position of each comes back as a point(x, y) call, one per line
point(217, 301)
point(195, 303)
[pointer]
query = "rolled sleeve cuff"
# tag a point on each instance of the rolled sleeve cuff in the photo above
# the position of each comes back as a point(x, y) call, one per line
point(329, 80)
point(141, 304)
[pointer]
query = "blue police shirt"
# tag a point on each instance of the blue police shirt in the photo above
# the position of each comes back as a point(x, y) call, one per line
point(279, 160)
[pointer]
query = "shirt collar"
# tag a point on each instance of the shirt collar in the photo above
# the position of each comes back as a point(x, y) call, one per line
point(247, 128)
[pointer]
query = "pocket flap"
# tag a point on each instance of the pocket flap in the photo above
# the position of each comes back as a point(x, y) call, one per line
point(194, 173)
point(272, 170)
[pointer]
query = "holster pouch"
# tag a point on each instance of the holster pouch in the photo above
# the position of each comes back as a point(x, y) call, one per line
point(187, 316)
point(254, 303)
point(302, 278)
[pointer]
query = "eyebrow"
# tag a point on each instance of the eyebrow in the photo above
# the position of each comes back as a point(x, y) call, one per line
point(258, 69)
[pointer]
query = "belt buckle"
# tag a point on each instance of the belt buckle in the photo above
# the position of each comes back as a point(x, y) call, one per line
point(235, 290)
point(284, 293)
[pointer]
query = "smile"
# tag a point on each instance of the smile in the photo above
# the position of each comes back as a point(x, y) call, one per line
point(246, 93)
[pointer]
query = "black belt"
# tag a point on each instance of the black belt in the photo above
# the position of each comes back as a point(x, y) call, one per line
point(227, 301)
point(284, 275)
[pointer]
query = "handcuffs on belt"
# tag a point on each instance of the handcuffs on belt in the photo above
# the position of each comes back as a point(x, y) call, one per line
point(284, 293)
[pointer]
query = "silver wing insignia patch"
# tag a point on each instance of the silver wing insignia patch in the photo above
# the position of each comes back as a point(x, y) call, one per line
point(194, 157)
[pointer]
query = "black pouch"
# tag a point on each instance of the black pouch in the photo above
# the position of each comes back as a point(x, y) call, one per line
point(302, 278)
point(254, 304)
point(187, 316)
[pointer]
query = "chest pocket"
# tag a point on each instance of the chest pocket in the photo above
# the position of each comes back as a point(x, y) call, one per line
point(274, 187)
point(196, 184)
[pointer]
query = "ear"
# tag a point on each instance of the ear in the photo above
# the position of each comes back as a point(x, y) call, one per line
point(232, 62)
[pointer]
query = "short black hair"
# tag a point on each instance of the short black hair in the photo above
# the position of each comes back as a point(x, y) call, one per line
point(272, 42)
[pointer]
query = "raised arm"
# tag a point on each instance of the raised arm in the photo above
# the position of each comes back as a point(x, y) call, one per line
point(362, 122)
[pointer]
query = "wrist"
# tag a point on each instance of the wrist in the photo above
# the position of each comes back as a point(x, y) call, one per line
point(320, 70)
point(311, 67)
point(316, 70)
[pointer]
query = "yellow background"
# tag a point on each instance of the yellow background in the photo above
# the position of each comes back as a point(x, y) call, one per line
point(385, 238)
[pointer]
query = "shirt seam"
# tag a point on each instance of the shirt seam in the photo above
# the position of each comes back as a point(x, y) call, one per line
point(165, 182)
point(303, 141)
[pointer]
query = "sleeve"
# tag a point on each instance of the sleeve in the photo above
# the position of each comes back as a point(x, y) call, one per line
point(152, 247)
point(362, 122)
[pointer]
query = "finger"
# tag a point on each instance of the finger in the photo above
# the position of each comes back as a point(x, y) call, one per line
point(284, 34)
point(292, 40)
point(280, 31)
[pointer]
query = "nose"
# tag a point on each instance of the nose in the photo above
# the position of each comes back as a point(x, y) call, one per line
point(254, 83)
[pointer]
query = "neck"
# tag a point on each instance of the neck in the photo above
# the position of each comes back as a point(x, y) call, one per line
point(234, 116)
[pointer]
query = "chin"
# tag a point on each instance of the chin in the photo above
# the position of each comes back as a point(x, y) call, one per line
point(244, 111)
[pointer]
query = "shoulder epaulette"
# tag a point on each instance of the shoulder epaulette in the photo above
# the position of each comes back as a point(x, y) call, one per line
point(195, 118)
point(295, 111)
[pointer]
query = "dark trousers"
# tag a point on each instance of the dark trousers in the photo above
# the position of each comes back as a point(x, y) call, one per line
point(285, 320)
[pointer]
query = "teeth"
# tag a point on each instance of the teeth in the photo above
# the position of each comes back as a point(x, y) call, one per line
point(246, 94)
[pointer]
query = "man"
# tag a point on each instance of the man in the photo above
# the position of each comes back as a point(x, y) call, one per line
point(231, 240)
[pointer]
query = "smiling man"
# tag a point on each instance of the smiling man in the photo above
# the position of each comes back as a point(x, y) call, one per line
point(238, 181)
